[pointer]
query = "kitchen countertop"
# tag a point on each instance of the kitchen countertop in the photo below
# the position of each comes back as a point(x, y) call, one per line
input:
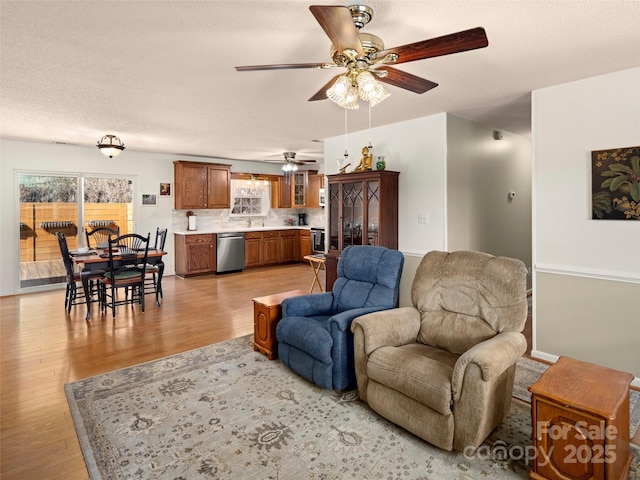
point(242, 229)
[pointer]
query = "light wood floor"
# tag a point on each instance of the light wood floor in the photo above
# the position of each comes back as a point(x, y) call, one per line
point(41, 349)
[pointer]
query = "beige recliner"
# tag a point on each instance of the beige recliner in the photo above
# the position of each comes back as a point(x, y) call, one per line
point(444, 368)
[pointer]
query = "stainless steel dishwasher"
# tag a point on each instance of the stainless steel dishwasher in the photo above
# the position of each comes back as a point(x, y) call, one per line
point(229, 252)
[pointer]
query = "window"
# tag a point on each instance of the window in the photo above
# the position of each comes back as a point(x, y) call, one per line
point(51, 203)
point(250, 198)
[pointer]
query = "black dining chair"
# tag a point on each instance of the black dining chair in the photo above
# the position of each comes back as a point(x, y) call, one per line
point(152, 271)
point(99, 237)
point(127, 258)
point(71, 297)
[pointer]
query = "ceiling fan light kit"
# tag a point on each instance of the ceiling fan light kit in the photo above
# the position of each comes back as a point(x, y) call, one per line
point(368, 61)
point(344, 93)
point(289, 167)
point(290, 163)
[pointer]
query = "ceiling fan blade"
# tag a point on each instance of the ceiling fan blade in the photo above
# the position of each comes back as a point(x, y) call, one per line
point(284, 66)
point(322, 93)
point(405, 80)
point(337, 23)
point(436, 47)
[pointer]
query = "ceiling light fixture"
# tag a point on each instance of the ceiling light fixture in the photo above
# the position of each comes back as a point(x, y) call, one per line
point(289, 166)
point(110, 145)
point(354, 84)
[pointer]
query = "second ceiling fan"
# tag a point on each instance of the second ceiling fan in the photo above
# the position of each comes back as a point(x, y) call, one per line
point(365, 53)
point(290, 162)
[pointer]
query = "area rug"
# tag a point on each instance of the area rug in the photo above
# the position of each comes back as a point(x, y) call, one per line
point(226, 412)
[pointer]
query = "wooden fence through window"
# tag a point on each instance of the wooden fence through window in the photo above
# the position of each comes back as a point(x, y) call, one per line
point(39, 223)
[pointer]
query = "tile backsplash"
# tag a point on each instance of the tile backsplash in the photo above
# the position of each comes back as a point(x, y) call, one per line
point(217, 219)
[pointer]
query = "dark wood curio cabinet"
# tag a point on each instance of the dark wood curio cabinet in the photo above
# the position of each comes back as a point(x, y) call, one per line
point(363, 210)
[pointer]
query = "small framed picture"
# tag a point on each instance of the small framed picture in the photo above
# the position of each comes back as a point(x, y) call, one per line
point(149, 200)
point(165, 189)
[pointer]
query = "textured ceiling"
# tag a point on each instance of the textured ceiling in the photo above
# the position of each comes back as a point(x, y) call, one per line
point(161, 75)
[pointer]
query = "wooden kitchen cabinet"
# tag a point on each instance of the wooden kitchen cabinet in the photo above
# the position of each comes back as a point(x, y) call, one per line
point(218, 186)
point(270, 247)
point(314, 184)
point(363, 210)
point(195, 254)
point(580, 420)
point(200, 185)
point(299, 189)
point(293, 190)
point(281, 192)
point(305, 244)
point(253, 249)
point(288, 244)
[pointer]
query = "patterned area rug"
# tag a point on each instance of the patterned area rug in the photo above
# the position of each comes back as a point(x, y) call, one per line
point(226, 412)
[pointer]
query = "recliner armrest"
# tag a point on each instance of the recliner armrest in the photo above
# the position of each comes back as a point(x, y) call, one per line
point(395, 327)
point(493, 356)
point(343, 319)
point(307, 305)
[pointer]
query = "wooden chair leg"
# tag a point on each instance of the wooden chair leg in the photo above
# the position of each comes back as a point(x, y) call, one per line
point(113, 301)
point(66, 296)
point(72, 296)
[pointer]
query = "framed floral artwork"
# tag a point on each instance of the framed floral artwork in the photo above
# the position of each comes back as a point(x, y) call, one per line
point(615, 184)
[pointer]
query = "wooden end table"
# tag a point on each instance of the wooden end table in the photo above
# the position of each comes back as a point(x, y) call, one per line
point(266, 313)
point(580, 420)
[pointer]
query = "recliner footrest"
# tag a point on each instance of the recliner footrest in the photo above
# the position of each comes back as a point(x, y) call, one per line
point(308, 336)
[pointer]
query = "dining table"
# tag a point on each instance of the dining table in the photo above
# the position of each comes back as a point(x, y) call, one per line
point(95, 260)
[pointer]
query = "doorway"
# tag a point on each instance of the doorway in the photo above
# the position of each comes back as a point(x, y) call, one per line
point(49, 203)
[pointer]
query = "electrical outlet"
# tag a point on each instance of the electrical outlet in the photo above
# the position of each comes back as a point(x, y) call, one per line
point(423, 218)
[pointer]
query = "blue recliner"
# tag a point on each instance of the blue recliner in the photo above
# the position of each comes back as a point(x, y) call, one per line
point(314, 335)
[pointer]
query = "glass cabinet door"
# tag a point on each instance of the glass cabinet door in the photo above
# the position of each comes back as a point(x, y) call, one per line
point(299, 189)
point(373, 212)
point(334, 216)
point(352, 211)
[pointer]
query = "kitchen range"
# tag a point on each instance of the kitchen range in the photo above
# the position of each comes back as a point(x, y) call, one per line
point(317, 240)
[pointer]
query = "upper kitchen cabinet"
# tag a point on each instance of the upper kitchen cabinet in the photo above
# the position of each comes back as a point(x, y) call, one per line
point(314, 184)
point(281, 193)
point(293, 190)
point(299, 189)
point(201, 185)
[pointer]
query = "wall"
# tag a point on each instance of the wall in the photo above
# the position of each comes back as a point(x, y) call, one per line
point(458, 177)
point(481, 171)
point(417, 149)
point(145, 168)
point(586, 272)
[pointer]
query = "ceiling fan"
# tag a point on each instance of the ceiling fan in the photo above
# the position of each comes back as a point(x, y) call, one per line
point(364, 52)
point(290, 163)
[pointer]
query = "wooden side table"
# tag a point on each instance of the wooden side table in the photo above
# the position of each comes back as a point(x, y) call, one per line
point(580, 420)
point(266, 313)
